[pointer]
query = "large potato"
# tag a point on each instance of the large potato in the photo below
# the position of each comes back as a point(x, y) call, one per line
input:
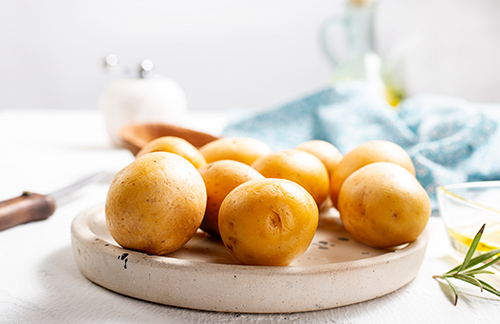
point(242, 149)
point(221, 177)
point(156, 203)
point(177, 145)
point(366, 153)
point(297, 166)
point(268, 221)
point(383, 205)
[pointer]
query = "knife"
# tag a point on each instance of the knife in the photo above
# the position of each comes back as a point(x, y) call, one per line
point(31, 206)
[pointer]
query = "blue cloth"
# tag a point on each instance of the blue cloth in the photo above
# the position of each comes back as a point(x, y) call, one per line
point(449, 140)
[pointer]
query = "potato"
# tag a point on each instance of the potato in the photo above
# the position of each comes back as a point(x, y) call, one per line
point(242, 149)
point(383, 205)
point(298, 166)
point(325, 151)
point(177, 145)
point(268, 221)
point(366, 153)
point(156, 203)
point(220, 178)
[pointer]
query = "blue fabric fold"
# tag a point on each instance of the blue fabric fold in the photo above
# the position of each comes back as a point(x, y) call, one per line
point(449, 140)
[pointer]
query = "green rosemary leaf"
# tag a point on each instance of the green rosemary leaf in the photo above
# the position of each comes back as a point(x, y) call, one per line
point(453, 271)
point(486, 285)
point(476, 272)
point(483, 257)
point(452, 288)
point(472, 249)
point(491, 290)
point(470, 280)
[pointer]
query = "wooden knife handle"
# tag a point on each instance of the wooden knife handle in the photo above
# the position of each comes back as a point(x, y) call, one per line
point(26, 208)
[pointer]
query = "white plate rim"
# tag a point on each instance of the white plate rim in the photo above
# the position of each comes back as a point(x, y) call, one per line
point(83, 237)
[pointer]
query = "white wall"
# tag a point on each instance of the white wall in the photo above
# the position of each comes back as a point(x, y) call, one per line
point(459, 45)
point(225, 53)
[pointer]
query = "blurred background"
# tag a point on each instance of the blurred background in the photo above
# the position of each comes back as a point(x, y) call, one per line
point(224, 54)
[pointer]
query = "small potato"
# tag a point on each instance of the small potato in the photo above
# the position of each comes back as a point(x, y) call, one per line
point(221, 177)
point(268, 221)
point(383, 205)
point(366, 153)
point(297, 166)
point(176, 145)
point(242, 149)
point(325, 151)
point(156, 203)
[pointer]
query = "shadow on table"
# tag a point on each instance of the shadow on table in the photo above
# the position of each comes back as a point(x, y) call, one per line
point(68, 297)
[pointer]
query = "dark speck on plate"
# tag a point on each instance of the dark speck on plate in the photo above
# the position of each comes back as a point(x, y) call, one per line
point(343, 239)
point(124, 258)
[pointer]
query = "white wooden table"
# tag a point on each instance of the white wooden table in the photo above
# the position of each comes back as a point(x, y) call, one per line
point(42, 150)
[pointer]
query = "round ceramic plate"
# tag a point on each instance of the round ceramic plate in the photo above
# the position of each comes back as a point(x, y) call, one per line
point(336, 270)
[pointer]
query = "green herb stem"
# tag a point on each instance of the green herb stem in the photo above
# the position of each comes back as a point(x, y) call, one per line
point(466, 271)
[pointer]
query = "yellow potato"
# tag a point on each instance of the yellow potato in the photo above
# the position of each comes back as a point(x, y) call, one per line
point(383, 205)
point(176, 145)
point(297, 166)
point(221, 177)
point(268, 221)
point(325, 151)
point(241, 149)
point(366, 153)
point(156, 203)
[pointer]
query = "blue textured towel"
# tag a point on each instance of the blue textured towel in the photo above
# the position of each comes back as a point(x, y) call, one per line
point(449, 140)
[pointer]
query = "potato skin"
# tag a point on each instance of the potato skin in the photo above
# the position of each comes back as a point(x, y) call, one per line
point(298, 166)
point(366, 153)
point(155, 204)
point(221, 177)
point(383, 205)
point(325, 151)
point(177, 145)
point(268, 221)
point(242, 149)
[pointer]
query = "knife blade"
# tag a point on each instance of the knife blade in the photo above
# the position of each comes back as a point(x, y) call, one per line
point(31, 206)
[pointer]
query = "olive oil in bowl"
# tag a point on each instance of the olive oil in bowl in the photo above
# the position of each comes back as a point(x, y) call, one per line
point(464, 208)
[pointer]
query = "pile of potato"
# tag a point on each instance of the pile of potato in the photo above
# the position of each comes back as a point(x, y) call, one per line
point(263, 205)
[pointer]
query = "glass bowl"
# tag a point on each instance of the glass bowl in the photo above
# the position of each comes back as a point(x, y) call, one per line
point(465, 207)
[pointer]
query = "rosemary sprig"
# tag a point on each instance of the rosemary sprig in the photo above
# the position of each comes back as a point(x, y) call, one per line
point(467, 272)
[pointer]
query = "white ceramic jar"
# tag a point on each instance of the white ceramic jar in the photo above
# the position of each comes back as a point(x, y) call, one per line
point(142, 99)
